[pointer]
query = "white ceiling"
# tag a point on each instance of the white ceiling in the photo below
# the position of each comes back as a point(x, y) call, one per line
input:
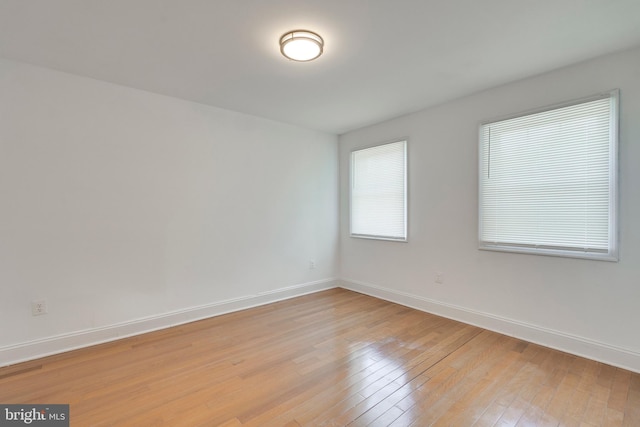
point(383, 58)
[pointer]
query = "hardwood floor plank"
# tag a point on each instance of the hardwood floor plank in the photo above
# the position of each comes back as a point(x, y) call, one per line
point(334, 358)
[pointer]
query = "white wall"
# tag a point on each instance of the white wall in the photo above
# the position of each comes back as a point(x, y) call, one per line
point(586, 307)
point(118, 205)
point(128, 211)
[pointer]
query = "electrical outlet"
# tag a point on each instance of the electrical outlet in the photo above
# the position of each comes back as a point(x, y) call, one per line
point(312, 264)
point(439, 278)
point(38, 308)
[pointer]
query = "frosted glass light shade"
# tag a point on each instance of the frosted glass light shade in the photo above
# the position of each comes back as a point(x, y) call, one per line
point(301, 45)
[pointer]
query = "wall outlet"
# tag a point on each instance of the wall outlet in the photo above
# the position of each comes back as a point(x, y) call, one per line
point(439, 278)
point(38, 308)
point(312, 264)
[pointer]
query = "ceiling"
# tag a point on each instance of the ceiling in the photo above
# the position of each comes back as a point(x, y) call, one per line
point(383, 58)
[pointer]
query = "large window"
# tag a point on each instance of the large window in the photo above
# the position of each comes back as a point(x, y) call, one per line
point(379, 192)
point(548, 181)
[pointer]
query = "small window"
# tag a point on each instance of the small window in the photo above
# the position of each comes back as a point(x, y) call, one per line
point(379, 192)
point(548, 181)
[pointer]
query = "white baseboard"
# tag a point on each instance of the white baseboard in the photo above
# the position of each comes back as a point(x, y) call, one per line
point(22, 352)
point(579, 346)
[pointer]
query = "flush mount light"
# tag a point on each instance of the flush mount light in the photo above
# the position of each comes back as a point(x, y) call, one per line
point(301, 45)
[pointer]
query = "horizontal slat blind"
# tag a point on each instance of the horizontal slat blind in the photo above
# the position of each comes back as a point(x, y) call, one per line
point(378, 192)
point(546, 179)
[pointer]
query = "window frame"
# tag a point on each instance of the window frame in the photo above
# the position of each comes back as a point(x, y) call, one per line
point(406, 192)
point(613, 211)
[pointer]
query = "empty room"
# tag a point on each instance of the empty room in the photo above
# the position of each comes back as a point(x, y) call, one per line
point(319, 213)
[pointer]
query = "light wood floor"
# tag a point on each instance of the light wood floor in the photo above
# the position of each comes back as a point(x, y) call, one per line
point(334, 358)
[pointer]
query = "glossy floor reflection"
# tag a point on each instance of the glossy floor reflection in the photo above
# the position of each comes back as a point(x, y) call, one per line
point(334, 358)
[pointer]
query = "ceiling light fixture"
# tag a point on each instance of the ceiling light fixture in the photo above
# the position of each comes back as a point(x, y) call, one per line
point(301, 45)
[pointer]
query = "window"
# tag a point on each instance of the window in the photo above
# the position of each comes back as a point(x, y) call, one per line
point(548, 181)
point(379, 192)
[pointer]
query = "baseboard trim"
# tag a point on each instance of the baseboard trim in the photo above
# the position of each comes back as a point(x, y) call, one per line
point(35, 349)
point(579, 346)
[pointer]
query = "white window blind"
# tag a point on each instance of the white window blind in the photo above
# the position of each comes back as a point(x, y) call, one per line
point(548, 181)
point(378, 192)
